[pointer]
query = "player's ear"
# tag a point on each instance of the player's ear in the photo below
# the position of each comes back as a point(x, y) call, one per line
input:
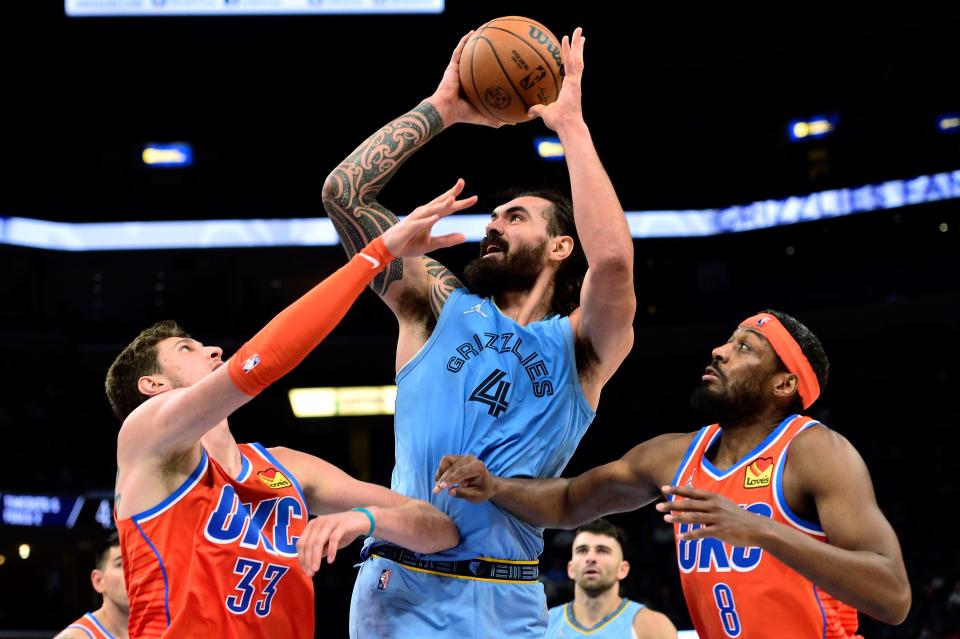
point(151, 385)
point(785, 384)
point(623, 569)
point(560, 247)
point(570, 573)
point(96, 578)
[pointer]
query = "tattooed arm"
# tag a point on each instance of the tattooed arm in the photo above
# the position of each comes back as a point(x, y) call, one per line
point(350, 198)
point(414, 289)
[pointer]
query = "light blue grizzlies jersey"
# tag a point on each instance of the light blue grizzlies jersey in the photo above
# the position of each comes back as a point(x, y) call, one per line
point(618, 624)
point(484, 385)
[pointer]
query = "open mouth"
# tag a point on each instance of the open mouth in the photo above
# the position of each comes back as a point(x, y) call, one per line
point(491, 248)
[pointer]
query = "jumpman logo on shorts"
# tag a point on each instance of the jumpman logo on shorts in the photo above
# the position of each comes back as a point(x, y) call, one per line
point(476, 308)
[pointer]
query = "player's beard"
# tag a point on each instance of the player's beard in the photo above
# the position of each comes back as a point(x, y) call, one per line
point(516, 270)
point(733, 402)
point(598, 587)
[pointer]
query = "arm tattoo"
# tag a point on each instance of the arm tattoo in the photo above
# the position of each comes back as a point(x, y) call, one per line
point(442, 283)
point(349, 193)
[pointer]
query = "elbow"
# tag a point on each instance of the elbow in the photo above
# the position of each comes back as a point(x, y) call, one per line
point(894, 609)
point(449, 537)
point(614, 264)
point(333, 188)
point(338, 195)
point(440, 533)
point(900, 607)
point(444, 535)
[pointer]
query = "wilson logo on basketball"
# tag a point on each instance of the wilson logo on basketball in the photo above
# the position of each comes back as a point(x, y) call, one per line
point(758, 473)
point(273, 478)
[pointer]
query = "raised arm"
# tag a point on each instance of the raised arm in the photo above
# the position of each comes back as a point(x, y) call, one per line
point(623, 485)
point(410, 523)
point(414, 288)
point(604, 320)
point(173, 421)
point(861, 565)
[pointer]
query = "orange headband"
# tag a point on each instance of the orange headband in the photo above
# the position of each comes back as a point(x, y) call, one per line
point(789, 351)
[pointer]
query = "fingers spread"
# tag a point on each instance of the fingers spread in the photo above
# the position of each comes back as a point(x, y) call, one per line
point(465, 203)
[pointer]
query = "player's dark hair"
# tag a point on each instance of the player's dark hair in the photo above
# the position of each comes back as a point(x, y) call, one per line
point(812, 350)
point(139, 358)
point(604, 527)
point(111, 540)
point(566, 295)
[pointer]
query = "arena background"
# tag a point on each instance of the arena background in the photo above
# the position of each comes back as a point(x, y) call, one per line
point(689, 110)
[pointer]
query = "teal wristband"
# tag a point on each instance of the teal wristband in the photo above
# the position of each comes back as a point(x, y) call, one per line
point(373, 522)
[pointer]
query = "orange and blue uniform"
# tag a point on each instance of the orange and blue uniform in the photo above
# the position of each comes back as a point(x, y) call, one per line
point(91, 626)
point(746, 591)
point(218, 557)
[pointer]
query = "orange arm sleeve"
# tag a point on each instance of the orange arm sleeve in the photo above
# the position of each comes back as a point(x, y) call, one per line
point(292, 334)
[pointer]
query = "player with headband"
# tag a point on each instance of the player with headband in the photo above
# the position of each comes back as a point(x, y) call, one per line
point(767, 546)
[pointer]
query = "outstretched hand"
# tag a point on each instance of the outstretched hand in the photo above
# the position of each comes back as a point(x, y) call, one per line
point(324, 536)
point(567, 107)
point(448, 99)
point(715, 516)
point(464, 476)
point(411, 236)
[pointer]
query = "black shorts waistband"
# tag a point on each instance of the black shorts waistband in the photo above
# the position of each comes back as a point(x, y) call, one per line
point(483, 568)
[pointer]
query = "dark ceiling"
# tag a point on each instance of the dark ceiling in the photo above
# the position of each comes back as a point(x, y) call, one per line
point(688, 105)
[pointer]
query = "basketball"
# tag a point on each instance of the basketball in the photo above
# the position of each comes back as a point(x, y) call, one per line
point(509, 65)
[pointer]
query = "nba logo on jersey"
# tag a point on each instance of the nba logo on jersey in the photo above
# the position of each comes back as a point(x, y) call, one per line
point(384, 579)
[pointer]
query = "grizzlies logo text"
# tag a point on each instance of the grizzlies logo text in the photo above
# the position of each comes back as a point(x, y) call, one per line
point(533, 364)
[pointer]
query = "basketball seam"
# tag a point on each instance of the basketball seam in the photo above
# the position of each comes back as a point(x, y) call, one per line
point(473, 77)
point(506, 76)
point(540, 55)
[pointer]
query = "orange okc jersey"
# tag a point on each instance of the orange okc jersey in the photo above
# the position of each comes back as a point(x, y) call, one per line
point(218, 557)
point(91, 626)
point(747, 592)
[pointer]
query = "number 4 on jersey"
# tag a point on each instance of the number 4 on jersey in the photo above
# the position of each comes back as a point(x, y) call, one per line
point(497, 402)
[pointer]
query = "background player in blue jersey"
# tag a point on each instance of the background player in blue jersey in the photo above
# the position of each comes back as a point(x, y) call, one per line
point(597, 567)
point(510, 372)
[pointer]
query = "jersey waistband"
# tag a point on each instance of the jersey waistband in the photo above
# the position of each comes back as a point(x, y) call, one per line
point(480, 568)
